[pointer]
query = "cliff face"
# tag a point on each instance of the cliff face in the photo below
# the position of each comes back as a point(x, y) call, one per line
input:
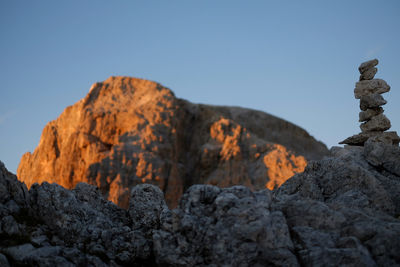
point(129, 131)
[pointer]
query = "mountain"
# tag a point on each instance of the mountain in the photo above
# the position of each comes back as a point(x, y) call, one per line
point(341, 211)
point(130, 131)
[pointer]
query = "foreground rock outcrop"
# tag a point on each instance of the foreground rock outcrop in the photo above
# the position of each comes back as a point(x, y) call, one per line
point(341, 211)
point(129, 131)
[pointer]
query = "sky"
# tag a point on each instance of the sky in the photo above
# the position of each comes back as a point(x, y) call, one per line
point(297, 60)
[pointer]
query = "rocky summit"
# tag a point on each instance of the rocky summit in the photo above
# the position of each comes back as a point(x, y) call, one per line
point(343, 210)
point(130, 131)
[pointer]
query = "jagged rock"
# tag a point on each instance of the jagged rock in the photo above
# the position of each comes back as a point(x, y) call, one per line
point(28, 255)
point(390, 138)
point(231, 227)
point(60, 227)
point(377, 123)
point(350, 204)
point(369, 113)
point(371, 101)
point(368, 87)
point(367, 65)
point(82, 218)
point(368, 74)
point(342, 210)
point(129, 131)
point(145, 206)
point(383, 156)
point(3, 261)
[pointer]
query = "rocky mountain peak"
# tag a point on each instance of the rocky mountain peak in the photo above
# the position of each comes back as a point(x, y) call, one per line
point(129, 131)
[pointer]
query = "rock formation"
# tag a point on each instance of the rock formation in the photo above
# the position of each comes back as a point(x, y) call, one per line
point(375, 124)
point(341, 211)
point(129, 131)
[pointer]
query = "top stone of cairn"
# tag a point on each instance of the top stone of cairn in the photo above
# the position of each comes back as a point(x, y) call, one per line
point(368, 70)
point(368, 65)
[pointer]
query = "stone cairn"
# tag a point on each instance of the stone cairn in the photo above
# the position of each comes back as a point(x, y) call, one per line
point(374, 124)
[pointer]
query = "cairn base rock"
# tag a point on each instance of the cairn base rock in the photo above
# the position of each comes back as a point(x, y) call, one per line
point(390, 138)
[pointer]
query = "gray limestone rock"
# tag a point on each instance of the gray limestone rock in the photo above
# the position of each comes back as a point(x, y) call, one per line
point(351, 201)
point(368, 74)
point(369, 113)
point(371, 101)
point(3, 261)
point(337, 257)
point(342, 210)
point(383, 155)
point(231, 227)
point(367, 65)
point(83, 218)
point(377, 123)
point(145, 207)
point(390, 138)
point(368, 87)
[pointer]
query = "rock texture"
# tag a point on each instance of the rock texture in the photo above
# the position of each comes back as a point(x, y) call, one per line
point(341, 211)
point(369, 91)
point(129, 131)
point(345, 210)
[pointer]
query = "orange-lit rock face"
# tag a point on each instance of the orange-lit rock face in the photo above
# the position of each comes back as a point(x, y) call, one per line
point(128, 131)
point(282, 165)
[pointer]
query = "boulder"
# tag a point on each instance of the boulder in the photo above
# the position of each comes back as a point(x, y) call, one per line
point(145, 207)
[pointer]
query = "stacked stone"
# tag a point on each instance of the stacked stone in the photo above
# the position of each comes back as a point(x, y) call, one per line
point(374, 123)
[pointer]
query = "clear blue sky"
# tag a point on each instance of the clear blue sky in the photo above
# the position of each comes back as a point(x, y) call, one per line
point(294, 59)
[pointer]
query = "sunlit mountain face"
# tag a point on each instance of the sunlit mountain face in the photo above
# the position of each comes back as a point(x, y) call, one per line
point(130, 131)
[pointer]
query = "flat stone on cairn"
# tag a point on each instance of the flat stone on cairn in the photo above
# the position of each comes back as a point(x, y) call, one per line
point(369, 113)
point(374, 125)
point(371, 101)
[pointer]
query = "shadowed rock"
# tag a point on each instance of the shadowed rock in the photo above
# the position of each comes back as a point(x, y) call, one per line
point(342, 211)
